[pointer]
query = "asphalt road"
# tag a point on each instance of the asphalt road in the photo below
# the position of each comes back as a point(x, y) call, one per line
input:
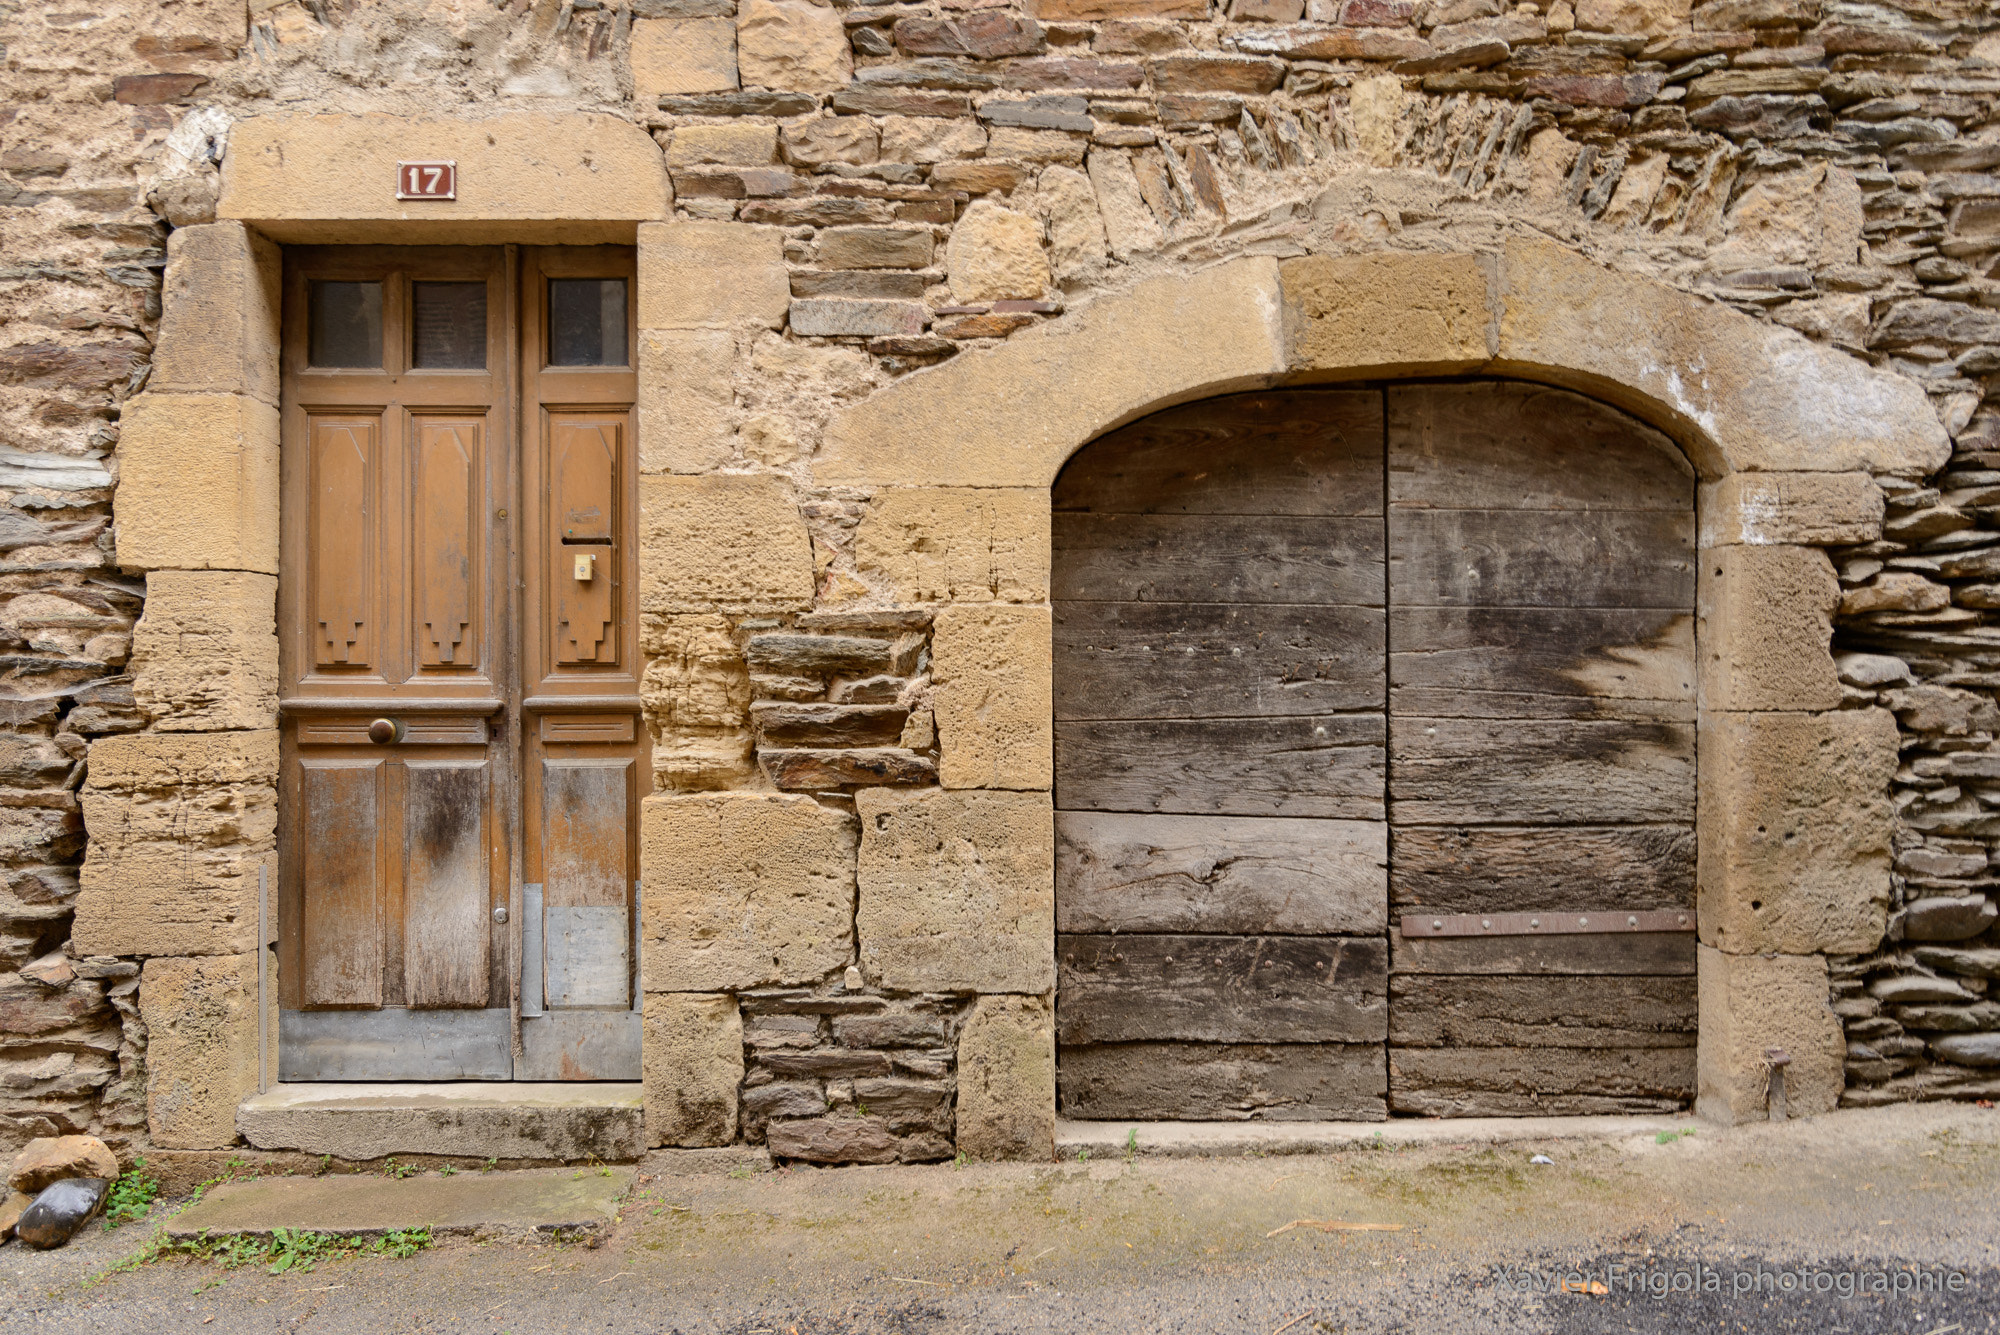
point(1879, 1221)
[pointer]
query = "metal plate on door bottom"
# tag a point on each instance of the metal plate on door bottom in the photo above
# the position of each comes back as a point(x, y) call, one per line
point(588, 957)
point(395, 1044)
point(1424, 925)
point(580, 1045)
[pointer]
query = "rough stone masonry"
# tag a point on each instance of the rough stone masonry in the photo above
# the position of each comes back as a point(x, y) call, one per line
point(854, 704)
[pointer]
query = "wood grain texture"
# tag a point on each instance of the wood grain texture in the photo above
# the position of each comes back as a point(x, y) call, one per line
point(1325, 766)
point(1221, 989)
point(1543, 662)
point(1127, 873)
point(1507, 444)
point(1542, 558)
point(1285, 452)
point(1215, 660)
point(448, 886)
point(1539, 1081)
point(1558, 772)
point(341, 890)
point(1444, 1010)
point(1278, 1082)
point(1650, 953)
point(585, 813)
point(1504, 869)
point(1218, 559)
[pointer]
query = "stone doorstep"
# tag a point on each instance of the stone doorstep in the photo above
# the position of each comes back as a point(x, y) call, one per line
point(1197, 1139)
point(558, 1203)
point(553, 1121)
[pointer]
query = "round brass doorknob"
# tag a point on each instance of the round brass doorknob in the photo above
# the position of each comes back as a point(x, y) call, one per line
point(385, 730)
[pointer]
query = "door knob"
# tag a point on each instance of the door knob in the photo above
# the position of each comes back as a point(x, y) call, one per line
point(386, 730)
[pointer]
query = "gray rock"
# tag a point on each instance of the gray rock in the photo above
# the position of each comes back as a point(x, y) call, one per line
point(1948, 918)
point(784, 1099)
point(816, 655)
point(1873, 670)
point(1968, 1049)
point(61, 1209)
point(1909, 988)
point(1973, 961)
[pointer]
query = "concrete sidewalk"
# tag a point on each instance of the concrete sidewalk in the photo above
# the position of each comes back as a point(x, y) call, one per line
point(567, 1203)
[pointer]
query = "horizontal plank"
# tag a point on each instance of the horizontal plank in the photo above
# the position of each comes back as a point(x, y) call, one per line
point(1447, 702)
point(1221, 989)
point(1218, 558)
point(1215, 660)
point(1600, 1011)
point(1560, 771)
point(1330, 766)
point(1280, 452)
point(1542, 558)
point(1517, 869)
point(1126, 873)
point(1539, 1081)
point(1654, 953)
point(1208, 1082)
point(1512, 445)
point(1544, 659)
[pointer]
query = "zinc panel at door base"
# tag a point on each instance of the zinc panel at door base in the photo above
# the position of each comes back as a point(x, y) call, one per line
point(580, 1045)
point(1539, 1081)
point(396, 1045)
point(1224, 1082)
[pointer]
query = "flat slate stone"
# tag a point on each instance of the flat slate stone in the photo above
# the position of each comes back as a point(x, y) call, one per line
point(537, 1201)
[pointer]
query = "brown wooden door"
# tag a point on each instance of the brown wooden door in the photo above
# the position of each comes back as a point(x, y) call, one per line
point(1334, 669)
point(419, 586)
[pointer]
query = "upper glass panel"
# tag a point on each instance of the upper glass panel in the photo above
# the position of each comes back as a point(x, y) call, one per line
point(587, 322)
point(448, 326)
point(345, 325)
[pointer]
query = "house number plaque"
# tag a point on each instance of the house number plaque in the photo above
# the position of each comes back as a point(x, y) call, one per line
point(427, 180)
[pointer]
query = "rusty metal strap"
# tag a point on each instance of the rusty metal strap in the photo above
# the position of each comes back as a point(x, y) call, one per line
point(1547, 924)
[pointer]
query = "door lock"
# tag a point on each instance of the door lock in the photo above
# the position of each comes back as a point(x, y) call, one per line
point(586, 568)
point(385, 730)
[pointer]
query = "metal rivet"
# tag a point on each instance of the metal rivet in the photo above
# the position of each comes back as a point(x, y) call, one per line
point(1437, 925)
point(1487, 923)
point(1583, 922)
point(1631, 922)
point(1534, 922)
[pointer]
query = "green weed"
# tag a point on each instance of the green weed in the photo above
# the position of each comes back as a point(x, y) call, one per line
point(131, 1196)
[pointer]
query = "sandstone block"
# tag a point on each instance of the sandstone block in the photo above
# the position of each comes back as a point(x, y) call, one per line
point(1007, 1080)
point(1010, 415)
point(957, 890)
point(1744, 396)
point(687, 399)
point(995, 254)
point(201, 1047)
point(849, 139)
point(693, 1066)
point(744, 890)
point(992, 667)
point(931, 139)
point(957, 544)
point(792, 46)
point(732, 143)
point(690, 55)
point(1076, 227)
point(1427, 312)
point(874, 247)
point(711, 275)
point(1765, 627)
point(722, 542)
point(205, 654)
point(1785, 509)
point(1793, 822)
point(1752, 1003)
point(1030, 145)
point(1128, 221)
point(219, 313)
point(49, 1159)
point(179, 823)
point(823, 317)
point(198, 483)
point(695, 675)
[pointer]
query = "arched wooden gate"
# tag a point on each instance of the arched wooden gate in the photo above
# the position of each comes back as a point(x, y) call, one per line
point(1375, 758)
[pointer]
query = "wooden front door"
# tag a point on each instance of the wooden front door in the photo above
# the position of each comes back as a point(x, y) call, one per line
point(459, 682)
point(1373, 706)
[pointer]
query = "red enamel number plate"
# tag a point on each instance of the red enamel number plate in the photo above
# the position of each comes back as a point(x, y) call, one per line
point(427, 180)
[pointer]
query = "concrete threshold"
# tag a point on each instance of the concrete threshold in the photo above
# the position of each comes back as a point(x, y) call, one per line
point(547, 1204)
point(560, 1121)
point(1197, 1139)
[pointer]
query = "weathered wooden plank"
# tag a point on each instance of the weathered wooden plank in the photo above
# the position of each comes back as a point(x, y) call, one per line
point(1215, 660)
point(584, 860)
point(1508, 869)
point(1591, 1011)
point(1285, 452)
point(1528, 1082)
point(1447, 702)
point(341, 898)
point(1542, 558)
point(1127, 873)
point(1652, 953)
point(1546, 661)
point(1218, 558)
point(1510, 772)
point(1331, 765)
point(1221, 989)
point(1500, 444)
point(447, 934)
point(1288, 1082)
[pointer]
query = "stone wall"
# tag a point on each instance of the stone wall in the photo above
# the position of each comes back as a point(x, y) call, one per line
point(848, 746)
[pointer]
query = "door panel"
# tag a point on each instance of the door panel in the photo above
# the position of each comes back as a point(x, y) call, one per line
point(340, 809)
point(448, 882)
point(343, 464)
point(448, 569)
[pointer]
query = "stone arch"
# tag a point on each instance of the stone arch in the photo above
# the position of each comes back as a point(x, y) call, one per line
point(1793, 814)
